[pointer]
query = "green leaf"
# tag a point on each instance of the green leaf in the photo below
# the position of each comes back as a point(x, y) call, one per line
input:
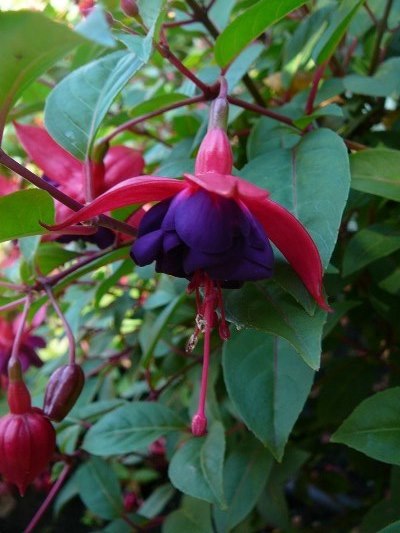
point(99, 489)
point(197, 467)
point(265, 307)
point(267, 383)
point(157, 500)
point(368, 245)
point(131, 427)
point(273, 505)
point(268, 135)
point(194, 516)
point(28, 247)
point(385, 82)
point(249, 25)
point(331, 110)
point(373, 427)
point(312, 180)
point(51, 255)
point(78, 104)
point(241, 65)
point(376, 171)
point(20, 213)
point(341, 19)
point(31, 43)
point(151, 333)
point(246, 473)
point(96, 28)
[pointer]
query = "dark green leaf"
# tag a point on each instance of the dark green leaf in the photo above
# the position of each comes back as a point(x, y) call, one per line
point(249, 25)
point(20, 213)
point(194, 516)
point(268, 385)
point(374, 427)
point(131, 427)
point(99, 488)
point(376, 171)
point(267, 308)
point(368, 245)
point(246, 472)
point(197, 467)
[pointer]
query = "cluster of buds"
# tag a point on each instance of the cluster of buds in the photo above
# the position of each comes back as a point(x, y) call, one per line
point(27, 437)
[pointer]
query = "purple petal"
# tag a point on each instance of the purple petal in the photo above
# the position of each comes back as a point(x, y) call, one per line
point(146, 248)
point(206, 223)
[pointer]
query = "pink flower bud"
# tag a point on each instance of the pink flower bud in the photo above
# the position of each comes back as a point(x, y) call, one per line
point(62, 391)
point(199, 425)
point(215, 154)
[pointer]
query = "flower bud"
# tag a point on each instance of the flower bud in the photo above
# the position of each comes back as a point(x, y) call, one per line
point(215, 153)
point(27, 438)
point(199, 425)
point(62, 391)
point(129, 7)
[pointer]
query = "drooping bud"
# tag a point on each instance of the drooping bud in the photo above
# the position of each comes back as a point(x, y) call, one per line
point(27, 438)
point(199, 425)
point(129, 8)
point(62, 391)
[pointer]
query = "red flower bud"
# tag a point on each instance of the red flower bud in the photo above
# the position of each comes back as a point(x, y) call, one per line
point(62, 391)
point(27, 438)
point(130, 8)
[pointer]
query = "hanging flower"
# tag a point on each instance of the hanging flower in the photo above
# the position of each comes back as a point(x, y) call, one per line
point(68, 174)
point(214, 229)
point(27, 438)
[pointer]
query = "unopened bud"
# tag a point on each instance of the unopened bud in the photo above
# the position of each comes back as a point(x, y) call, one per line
point(62, 391)
point(130, 8)
point(18, 397)
point(199, 425)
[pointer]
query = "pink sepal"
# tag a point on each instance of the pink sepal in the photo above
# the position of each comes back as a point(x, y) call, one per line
point(139, 190)
point(295, 243)
point(56, 163)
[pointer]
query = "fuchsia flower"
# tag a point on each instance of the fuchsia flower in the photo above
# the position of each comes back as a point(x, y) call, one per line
point(214, 229)
point(68, 173)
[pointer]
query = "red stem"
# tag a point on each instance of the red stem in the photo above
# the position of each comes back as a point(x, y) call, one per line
point(49, 499)
point(260, 110)
point(314, 88)
point(133, 122)
point(17, 341)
